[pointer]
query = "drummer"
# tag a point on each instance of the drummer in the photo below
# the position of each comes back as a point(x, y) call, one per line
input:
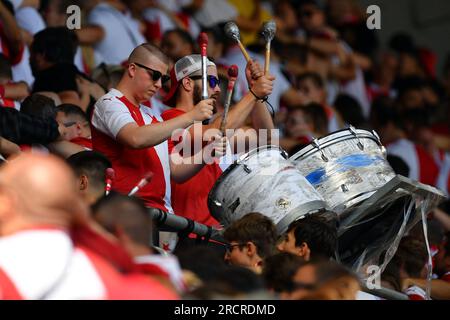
point(135, 139)
point(189, 199)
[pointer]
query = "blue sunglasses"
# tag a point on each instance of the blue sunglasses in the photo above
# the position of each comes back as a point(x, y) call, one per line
point(212, 80)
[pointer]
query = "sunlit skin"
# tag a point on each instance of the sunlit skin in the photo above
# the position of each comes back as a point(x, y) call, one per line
point(288, 245)
point(244, 256)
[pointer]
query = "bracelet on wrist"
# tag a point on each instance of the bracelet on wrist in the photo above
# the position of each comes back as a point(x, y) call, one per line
point(257, 98)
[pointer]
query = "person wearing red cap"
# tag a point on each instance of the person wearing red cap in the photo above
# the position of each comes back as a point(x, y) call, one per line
point(189, 199)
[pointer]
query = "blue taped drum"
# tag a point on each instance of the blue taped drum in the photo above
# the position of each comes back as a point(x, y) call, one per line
point(345, 167)
point(266, 181)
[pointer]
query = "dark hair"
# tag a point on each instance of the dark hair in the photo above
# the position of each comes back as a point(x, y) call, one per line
point(38, 105)
point(61, 7)
point(5, 67)
point(314, 77)
point(56, 44)
point(72, 109)
point(411, 255)
point(383, 112)
point(279, 271)
point(398, 164)
point(330, 270)
point(202, 260)
point(92, 164)
point(317, 115)
point(254, 227)
point(402, 42)
point(229, 282)
point(318, 234)
point(349, 109)
point(129, 213)
point(183, 34)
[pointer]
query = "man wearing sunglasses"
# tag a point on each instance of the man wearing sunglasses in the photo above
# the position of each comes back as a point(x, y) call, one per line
point(134, 138)
point(189, 199)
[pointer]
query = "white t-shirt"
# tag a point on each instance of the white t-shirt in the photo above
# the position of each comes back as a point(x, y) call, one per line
point(28, 18)
point(214, 12)
point(122, 33)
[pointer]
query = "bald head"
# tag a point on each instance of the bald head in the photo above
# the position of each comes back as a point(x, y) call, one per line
point(145, 51)
point(40, 189)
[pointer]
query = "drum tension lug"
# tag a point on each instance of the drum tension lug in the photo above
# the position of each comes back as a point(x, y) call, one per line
point(360, 146)
point(344, 188)
point(324, 157)
point(247, 169)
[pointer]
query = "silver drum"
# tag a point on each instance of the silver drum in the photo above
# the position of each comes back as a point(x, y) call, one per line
point(265, 181)
point(345, 167)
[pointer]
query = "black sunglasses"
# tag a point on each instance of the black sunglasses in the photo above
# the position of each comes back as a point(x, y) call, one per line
point(229, 247)
point(155, 74)
point(212, 80)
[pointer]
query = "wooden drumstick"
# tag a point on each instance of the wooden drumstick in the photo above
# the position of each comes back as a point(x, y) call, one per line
point(232, 76)
point(269, 30)
point(232, 31)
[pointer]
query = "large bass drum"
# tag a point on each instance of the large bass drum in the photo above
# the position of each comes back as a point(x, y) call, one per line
point(264, 181)
point(345, 167)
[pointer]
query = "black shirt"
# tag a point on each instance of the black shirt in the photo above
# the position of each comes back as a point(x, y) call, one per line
point(58, 78)
point(24, 129)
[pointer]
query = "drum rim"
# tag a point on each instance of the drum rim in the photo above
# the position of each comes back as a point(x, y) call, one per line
point(309, 149)
point(234, 165)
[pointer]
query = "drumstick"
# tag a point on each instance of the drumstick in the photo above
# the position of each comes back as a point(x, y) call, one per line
point(203, 44)
point(232, 75)
point(269, 29)
point(232, 31)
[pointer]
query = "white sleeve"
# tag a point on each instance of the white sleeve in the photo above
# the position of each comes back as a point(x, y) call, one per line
point(28, 18)
point(110, 116)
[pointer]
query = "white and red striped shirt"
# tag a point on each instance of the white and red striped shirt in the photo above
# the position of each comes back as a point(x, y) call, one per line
point(112, 112)
point(423, 167)
point(415, 293)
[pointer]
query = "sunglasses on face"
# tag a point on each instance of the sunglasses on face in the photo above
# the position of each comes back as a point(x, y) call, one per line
point(69, 124)
point(155, 75)
point(212, 80)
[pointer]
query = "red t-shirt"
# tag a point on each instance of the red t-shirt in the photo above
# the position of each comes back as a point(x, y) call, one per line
point(190, 199)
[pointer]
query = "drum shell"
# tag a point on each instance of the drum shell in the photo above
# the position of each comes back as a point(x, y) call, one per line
point(263, 181)
point(342, 171)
